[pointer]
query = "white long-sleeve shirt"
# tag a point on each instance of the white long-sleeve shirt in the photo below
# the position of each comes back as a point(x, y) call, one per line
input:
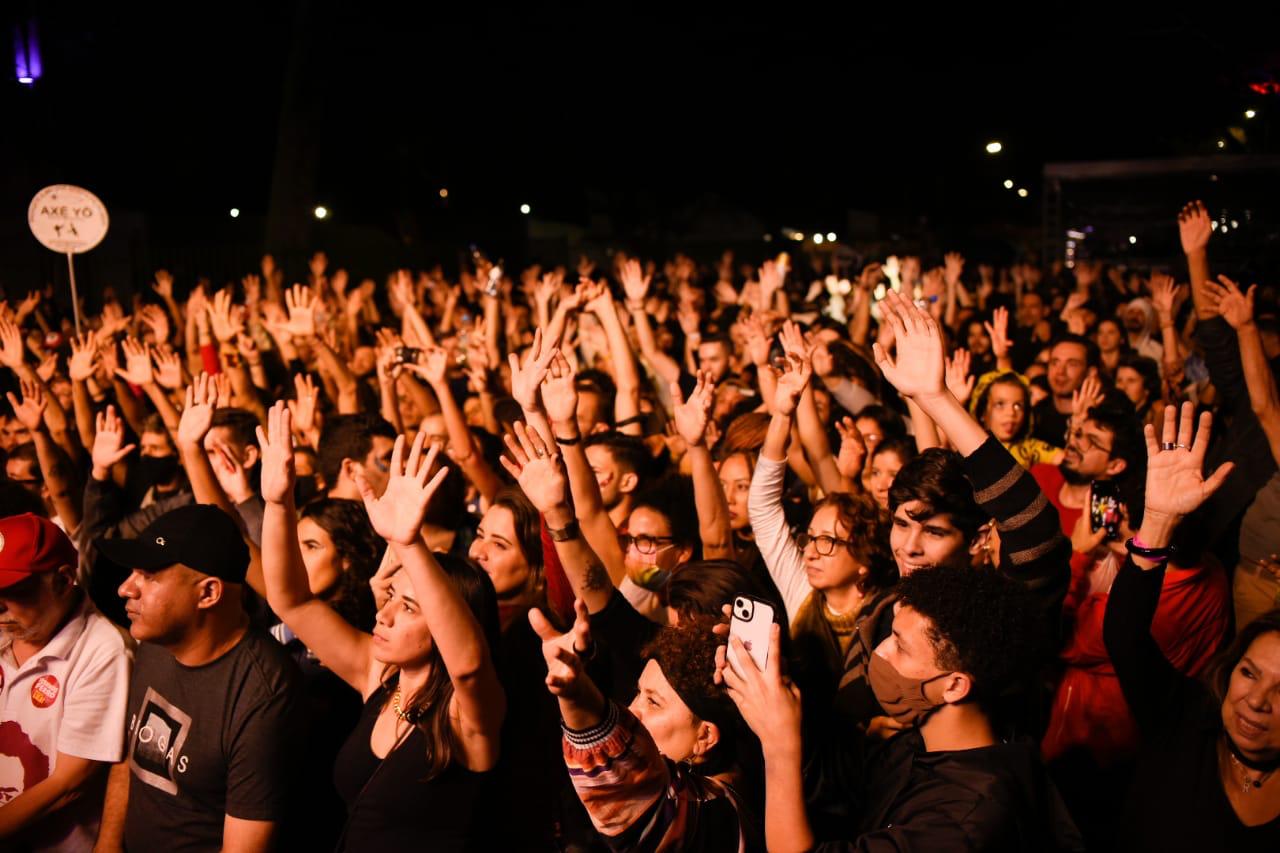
point(783, 558)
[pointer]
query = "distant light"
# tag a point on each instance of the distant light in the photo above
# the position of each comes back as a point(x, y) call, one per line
point(1222, 143)
point(1008, 184)
point(1132, 240)
point(26, 80)
point(1022, 192)
point(1213, 226)
point(798, 236)
point(1235, 224)
point(768, 238)
point(524, 208)
point(444, 192)
point(994, 147)
point(321, 211)
point(831, 236)
point(817, 238)
point(1075, 235)
point(235, 211)
point(1213, 177)
point(1250, 113)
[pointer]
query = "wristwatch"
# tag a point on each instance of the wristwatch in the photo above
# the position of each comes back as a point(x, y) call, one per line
point(567, 533)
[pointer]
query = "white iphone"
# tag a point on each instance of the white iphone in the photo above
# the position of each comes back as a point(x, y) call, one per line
point(751, 623)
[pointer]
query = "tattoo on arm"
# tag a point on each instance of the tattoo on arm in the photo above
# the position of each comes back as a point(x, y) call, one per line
point(596, 577)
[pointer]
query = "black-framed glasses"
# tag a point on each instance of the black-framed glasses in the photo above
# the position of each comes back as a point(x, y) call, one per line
point(1078, 434)
point(644, 543)
point(823, 544)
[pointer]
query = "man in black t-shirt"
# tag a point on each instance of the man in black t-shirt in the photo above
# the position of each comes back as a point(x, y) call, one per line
point(208, 746)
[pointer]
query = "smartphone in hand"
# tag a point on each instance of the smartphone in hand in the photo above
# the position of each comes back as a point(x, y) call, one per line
point(751, 622)
point(1104, 508)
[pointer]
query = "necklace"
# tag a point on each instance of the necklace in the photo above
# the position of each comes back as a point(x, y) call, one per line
point(1247, 785)
point(405, 716)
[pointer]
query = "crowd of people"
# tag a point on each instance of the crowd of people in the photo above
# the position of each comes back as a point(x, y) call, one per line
point(474, 560)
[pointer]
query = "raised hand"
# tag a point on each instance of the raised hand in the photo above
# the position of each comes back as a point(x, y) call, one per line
point(107, 441)
point(222, 385)
point(559, 393)
point(303, 408)
point(792, 379)
point(959, 380)
point(252, 285)
point(534, 462)
point(276, 460)
point(954, 268)
point(1234, 306)
point(28, 304)
point(692, 415)
point(157, 320)
point(635, 284)
point(113, 319)
point(793, 341)
point(1084, 398)
point(397, 515)
point(564, 652)
point(163, 285)
point(526, 378)
point(1175, 484)
point(197, 416)
point(12, 349)
point(137, 363)
point(547, 287)
point(30, 411)
point(998, 330)
point(1164, 296)
point(1194, 227)
point(768, 701)
point(84, 356)
point(225, 318)
point(47, 367)
point(771, 278)
point(853, 449)
point(757, 340)
point(918, 368)
point(299, 302)
point(433, 367)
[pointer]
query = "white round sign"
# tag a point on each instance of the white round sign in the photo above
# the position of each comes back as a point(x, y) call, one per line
point(67, 219)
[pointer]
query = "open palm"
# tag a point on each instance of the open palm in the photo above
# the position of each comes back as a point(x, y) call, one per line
point(1176, 485)
point(397, 514)
point(917, 369)
point(276, 464)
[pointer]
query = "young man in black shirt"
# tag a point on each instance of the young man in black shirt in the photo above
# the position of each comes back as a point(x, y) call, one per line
point(208, 745)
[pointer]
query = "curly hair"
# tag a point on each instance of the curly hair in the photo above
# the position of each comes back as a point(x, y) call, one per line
point(979, 622)
point(868, 530)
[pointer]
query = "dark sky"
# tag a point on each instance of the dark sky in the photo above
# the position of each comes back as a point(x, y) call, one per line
point(795, 115)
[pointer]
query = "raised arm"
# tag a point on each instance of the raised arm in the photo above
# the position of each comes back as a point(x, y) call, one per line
point(691, 419)
point(1237, 309)
point(627, 401)
point(636, 287)
point(478, 704)
point(813, 436)
point(55, 467)
point(345, 650)
point(462, 445)
point(998, 331)
point(534, 461)
point(1194, 228)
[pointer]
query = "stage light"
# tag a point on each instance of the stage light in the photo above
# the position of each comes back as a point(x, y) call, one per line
point(831, 236)
point(444, 192)
point(817, 238)
point(1022, 192)
point(798, 236)
point(235, 212)
point(1250, 113)
point(1132, 240)
point(524, 208)
point(1222, 143)
point(994, 147)
point(26, 80)
point(1008, 184)
point(321, 211)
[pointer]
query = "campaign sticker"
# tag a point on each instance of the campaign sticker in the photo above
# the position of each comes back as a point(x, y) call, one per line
point(44, 692)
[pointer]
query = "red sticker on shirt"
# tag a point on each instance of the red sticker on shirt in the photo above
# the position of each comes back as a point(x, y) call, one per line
point(44, 692)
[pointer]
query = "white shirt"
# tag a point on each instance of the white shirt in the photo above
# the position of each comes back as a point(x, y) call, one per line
point(71, 697)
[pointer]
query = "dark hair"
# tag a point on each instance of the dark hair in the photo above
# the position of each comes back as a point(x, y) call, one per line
point(600, 383)
point(629, 452)
point(1091, 354)
point(672, 497)
point(15, 499)
point(980, 623)
point(1116, 415)
point(903, 448)
point(717, 338)
point(528, 526)
point(1218, 674)
point(887, 420)
point(936, 479)
point(868, 528)
point(243, 425)
point(348, 437)
point(359, 546)
point(154, 424)
point(1013, 380)
point(703, 587)
point(429, 707)
point(1150, 373)
point(27, 453)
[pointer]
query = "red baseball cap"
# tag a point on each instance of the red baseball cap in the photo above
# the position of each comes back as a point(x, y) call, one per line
point(30, 545)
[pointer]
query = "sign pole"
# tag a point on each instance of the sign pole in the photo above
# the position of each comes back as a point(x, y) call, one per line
point(75, 299)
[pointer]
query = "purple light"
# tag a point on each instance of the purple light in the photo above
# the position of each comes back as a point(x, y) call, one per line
point(26, 53)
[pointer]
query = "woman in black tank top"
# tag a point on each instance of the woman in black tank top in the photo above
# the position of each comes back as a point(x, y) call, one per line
point(433, 711)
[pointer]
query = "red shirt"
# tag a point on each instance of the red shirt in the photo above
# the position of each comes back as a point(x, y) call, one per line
point(1051, 481)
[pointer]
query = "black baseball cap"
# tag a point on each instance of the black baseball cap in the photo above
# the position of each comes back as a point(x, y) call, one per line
point(199, 536)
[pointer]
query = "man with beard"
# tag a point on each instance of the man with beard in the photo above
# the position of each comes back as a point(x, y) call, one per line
point(1107, 446)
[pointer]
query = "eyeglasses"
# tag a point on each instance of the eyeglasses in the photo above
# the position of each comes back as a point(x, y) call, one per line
point(645, 544)
point(823, 544)
point(1091, 443)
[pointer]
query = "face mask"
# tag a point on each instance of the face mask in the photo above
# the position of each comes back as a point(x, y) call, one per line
point(157, 470)
point(902, 698)
point(653, 578)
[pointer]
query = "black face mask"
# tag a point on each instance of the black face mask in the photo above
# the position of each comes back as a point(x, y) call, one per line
point(304, 490)
point(157, 470)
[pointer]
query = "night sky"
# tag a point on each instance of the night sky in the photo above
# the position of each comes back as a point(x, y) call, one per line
point(793, 118)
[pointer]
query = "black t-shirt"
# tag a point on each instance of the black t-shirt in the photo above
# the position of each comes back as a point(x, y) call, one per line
point(208, 741)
